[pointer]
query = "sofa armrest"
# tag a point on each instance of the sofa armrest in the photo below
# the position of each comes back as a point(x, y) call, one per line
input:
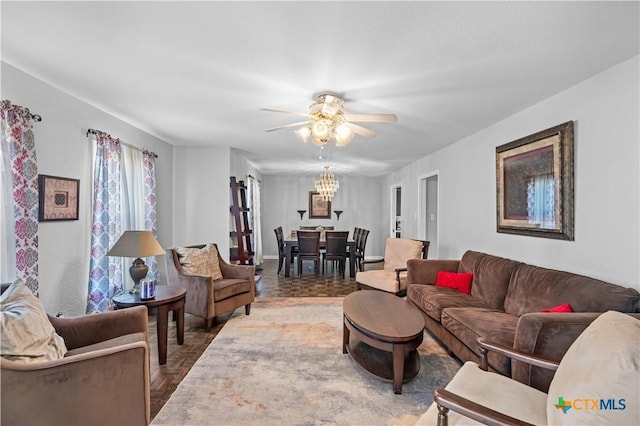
point(447, 400)
point(425, 271)
point(485, 346)
point(548, 335)
point(89, 329)
point(71, 390)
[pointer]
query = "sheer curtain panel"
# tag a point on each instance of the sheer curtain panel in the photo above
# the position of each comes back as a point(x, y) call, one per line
point(254, 197)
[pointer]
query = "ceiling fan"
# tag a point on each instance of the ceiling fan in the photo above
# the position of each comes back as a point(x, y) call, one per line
point(327, 119)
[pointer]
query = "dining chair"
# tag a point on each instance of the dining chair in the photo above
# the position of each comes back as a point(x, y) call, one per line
point(336, 249)
point(309, 249)
point(361, 244)
point(356, 236)
point(280, 241)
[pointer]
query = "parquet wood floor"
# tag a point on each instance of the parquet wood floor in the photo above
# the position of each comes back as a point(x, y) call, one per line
point(180, 359)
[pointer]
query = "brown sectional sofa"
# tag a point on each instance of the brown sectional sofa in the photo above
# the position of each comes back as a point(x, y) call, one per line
point(506, 297)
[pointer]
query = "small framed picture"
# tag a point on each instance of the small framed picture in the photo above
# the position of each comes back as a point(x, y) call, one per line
point(59, 198)
point(318, 208)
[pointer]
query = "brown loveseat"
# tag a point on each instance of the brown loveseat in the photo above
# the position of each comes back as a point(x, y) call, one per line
point(504, 307)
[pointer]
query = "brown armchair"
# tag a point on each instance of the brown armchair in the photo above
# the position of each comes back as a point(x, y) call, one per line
point(102, 380)
point(207, 297)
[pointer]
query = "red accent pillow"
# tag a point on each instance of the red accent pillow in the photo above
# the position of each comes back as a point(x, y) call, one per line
point(565, 307)
point(460, 282)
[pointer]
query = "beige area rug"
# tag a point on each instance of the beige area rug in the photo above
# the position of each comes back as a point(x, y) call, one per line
point(283, 365)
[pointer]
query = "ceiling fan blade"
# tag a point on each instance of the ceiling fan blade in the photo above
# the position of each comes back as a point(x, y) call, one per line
point(372, 118)
point(304, 114)
point(300, 123)
point(362, 131)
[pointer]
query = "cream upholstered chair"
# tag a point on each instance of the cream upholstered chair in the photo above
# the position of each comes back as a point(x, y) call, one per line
point(597, 382)
point(213, 286)
point(393, 278)
point(86, 370)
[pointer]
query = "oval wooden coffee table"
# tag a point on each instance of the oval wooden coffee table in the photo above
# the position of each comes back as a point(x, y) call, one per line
point(386, 333)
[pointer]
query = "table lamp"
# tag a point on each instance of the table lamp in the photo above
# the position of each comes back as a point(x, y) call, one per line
point(137, 244)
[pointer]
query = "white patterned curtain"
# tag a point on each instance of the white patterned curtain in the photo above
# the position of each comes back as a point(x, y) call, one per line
point(124, 199)
point(105, 273)
point(150, 201)
point(19, 210)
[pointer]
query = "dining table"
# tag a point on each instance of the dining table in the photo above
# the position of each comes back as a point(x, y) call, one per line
point(291, 242)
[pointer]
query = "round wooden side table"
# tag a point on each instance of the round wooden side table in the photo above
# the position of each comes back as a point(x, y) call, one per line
point(168, 298)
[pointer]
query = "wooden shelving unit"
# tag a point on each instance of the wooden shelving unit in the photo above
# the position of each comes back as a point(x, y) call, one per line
point(241, 251)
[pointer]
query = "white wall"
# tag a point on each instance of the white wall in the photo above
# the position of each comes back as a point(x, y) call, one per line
point(63, 150)
point(240, 167)
point(201, 197)
point(360, 199)
point(606, 111)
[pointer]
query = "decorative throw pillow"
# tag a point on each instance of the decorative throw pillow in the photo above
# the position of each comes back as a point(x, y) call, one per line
point(458, 281)
point(26, 335)
point(565, 307)
point(597, 380)
point(200, 261)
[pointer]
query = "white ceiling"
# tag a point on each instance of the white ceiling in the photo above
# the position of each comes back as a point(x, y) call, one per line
point(198, 73)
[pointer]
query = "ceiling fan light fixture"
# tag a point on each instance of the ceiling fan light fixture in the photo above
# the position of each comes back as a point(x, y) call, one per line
point(327, 121)
point(318, 142)
point(330, 105)
point(303, 133)
point(321, 129)
point(344, 134)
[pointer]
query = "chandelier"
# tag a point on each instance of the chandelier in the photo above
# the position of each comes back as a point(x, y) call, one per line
point(327, 185)
point(326, 121)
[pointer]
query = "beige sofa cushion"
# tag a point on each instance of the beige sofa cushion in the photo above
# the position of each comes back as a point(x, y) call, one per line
point(603, 364)
point(491, 390)
point(200, 261)
point(26, 334)
point(383, 280)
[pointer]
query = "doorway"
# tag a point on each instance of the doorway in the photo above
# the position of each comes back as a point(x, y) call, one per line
point(428, 185)
point(396, 211)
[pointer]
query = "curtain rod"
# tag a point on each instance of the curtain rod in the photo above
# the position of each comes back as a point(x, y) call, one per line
point(100, 132)
point(34, 117)
point(259, 181)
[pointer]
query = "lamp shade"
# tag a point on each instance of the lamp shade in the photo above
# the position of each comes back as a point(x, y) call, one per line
point(136, 244)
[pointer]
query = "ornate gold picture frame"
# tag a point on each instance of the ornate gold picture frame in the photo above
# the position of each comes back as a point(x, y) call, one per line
point(534, 184)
